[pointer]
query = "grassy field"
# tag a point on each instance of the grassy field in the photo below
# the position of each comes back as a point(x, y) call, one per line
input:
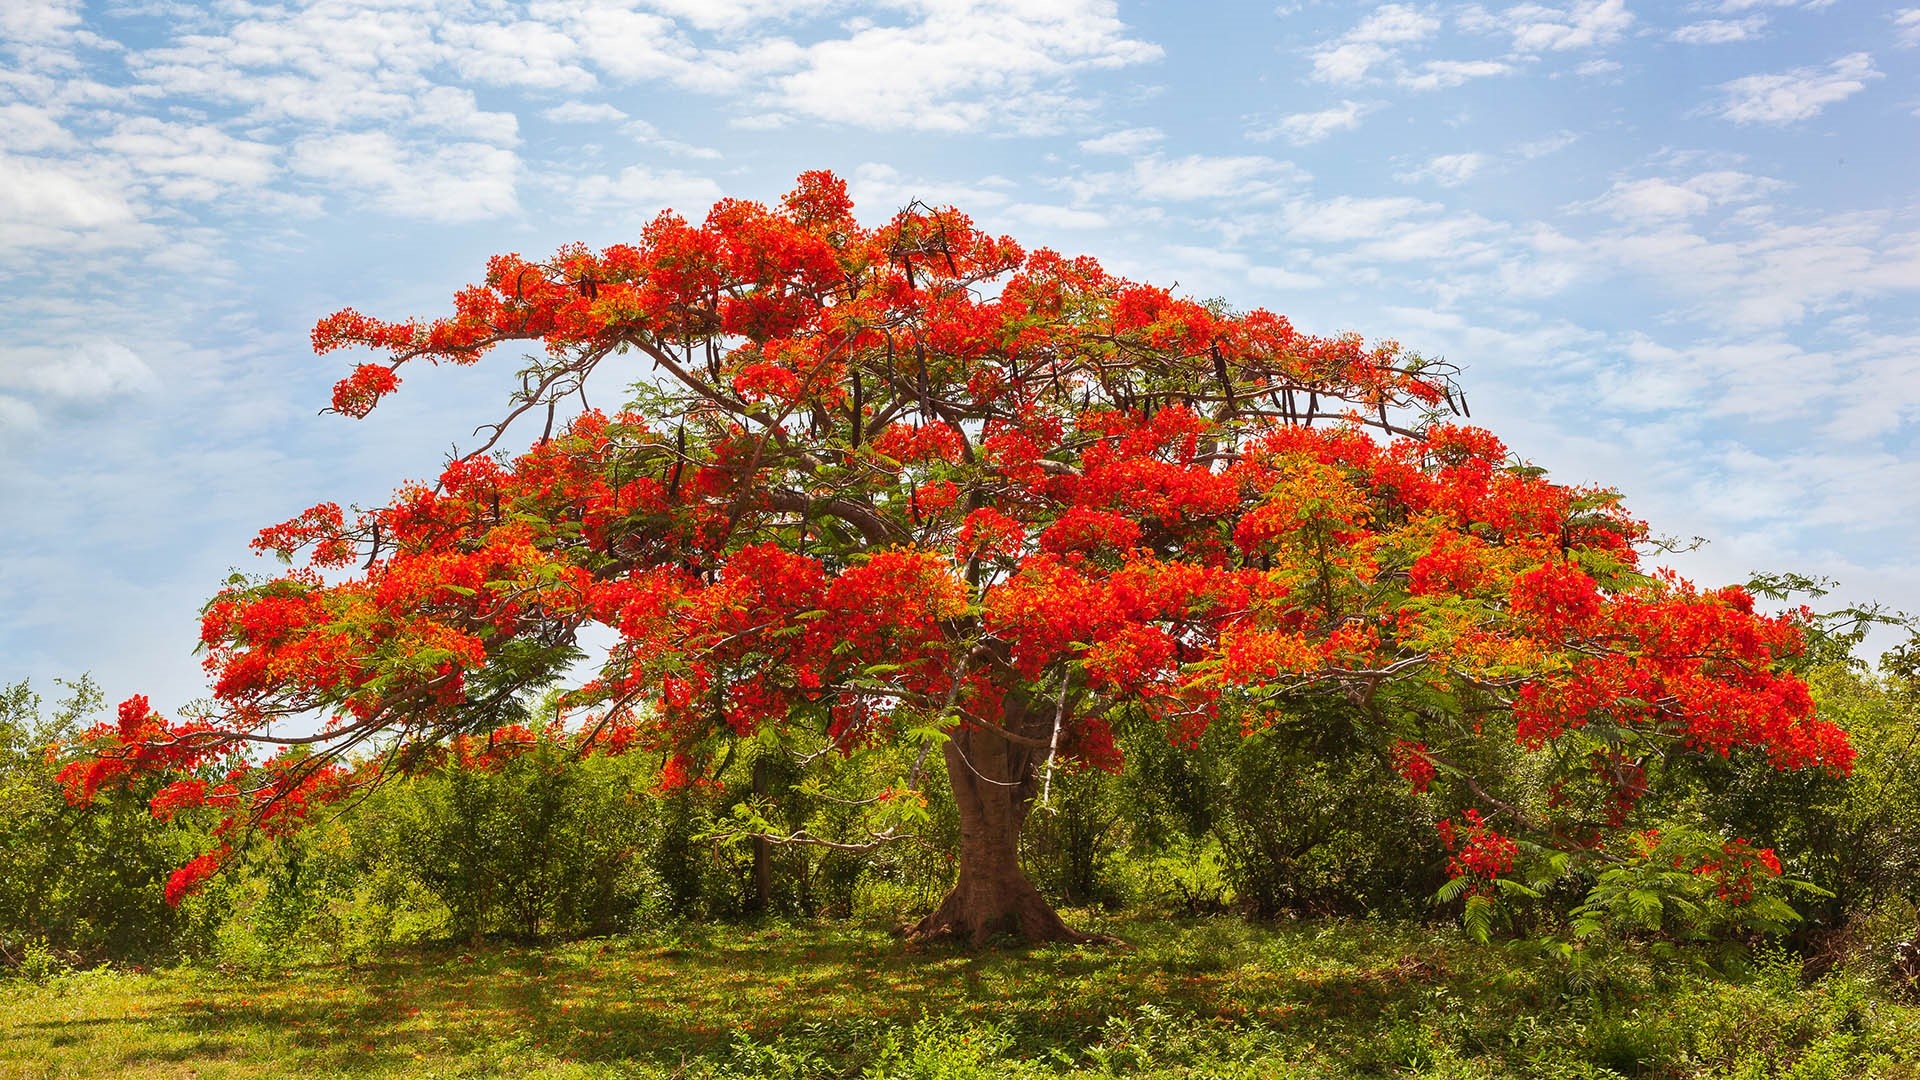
point(1213, 998)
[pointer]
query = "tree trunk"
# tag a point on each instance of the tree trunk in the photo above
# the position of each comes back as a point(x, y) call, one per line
point(994, 783)
point(762, 897)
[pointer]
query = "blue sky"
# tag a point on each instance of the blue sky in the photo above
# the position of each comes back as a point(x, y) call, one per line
point(1675, 246)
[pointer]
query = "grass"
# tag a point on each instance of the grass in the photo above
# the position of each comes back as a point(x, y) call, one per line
point(1204, 998)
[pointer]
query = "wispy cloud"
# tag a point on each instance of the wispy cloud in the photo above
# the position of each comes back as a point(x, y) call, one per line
point(71, 206)
point(1536, 28)
point(1906, 26)
point(1128, 141)
point(190, 162)
point(637, 191)
point(1311, 127)
point(1448, 170)
point(83, 375)
point(965, 66)
point(580, 112)
point(1658, 199)
point(1734, 7)
point(1760, 273)
point(1446, 74)
point(1793, 96)
point(1350, 57)
point(1204, 176)
point(1719, 31)
point(453, 182)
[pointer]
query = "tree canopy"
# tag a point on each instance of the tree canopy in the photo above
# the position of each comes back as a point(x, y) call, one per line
point(915, 481)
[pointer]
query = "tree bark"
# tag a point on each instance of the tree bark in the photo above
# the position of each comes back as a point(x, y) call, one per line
point(994, 782)
point(762, 897)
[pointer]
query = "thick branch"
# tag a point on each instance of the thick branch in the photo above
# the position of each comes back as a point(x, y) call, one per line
point(875, 528)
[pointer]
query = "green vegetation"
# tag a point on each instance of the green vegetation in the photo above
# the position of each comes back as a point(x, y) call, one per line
point(1183, 997)
point(1272, 911)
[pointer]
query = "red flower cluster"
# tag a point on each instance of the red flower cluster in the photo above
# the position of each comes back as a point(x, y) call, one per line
point(357, 394)
point(189, 878)
point(759, 382)
point(1414, 764)
point(1737, 867)
point(1479, 851)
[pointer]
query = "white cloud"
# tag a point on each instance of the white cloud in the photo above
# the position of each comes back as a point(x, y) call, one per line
point(735, 15)
point(45, 196)
point(1535, 28)
point(1199, 176)
point(966, 65)
point(1394, 24)
point(1346, 64)
point(1350, 57)
point(1127, 142)
point(1755, 273)
point(17, 417)
point(193, 162)
point(1448, 170)
point(947, 65)
point(449, 183)
point(1719, 31)
point(39, 21)
point(1655, 200)
point(26, 128)
point(1734, 7)
point(1212, 267)
point(1304, 128)
point(92, 373)
point(1446, 74)
point(878, 190)
point(636, 46)
point(1906, 26)
point(325, 67)
point(647, 135)
point(1349, 218)
point(638, 191)
point(579, 112)
point(1057, 217)
point(529, 54)
point(1551, 144)
point(1278, 277)
point(1800, 94)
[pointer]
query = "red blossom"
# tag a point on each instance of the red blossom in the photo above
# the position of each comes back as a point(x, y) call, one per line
point(1414, 764)
point(357, 394)
point(1479, 851)
point(189, 878)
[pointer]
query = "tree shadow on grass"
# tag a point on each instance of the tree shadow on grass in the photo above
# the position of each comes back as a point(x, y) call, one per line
point(667, 999)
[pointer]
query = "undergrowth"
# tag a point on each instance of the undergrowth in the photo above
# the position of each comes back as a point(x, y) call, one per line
point(1213, 998)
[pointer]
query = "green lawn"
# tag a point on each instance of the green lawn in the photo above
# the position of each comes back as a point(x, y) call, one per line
point(1182, 998)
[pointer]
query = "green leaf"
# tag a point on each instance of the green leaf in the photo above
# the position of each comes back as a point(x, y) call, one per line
point(1514, 888)
point(1478, 918)
point(1646, 907)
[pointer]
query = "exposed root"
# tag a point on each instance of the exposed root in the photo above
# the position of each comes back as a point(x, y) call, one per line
point(1025, 917)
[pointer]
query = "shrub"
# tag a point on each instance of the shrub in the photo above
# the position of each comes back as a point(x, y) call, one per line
point(85, 883)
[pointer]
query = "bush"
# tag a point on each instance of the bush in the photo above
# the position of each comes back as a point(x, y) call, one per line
point(1312, 820)
point(532, 843)
point(85, 883)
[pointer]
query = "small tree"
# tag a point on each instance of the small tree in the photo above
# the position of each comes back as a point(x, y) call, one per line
point(916, 483)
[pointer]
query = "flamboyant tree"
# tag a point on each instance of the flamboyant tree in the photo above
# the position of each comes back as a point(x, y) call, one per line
point(914, 477)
